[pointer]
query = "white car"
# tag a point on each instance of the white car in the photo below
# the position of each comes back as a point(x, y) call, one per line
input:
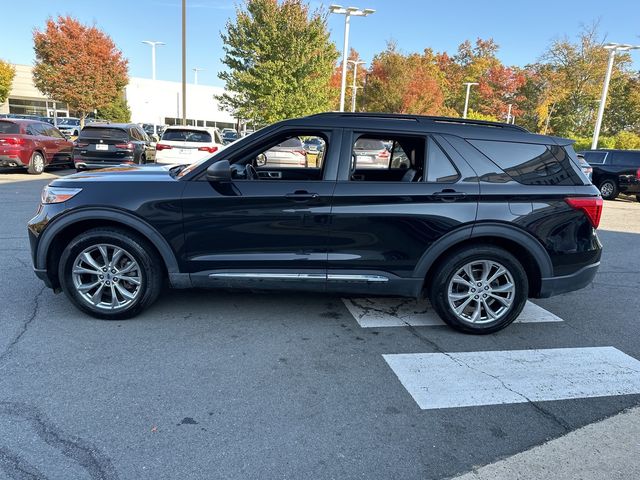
point(185, 145)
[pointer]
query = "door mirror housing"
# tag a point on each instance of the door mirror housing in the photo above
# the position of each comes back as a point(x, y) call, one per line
point(219, 172)
point(261, 160)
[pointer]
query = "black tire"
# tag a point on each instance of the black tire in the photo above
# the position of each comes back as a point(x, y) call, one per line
point(638, 198)
point(151, 273)
point(445, 271)
point(611, 189)
point(36, 164)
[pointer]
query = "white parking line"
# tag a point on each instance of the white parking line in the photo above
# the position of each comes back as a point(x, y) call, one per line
point(400, 312)
point(446, 380)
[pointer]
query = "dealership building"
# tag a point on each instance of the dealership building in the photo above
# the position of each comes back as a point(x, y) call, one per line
point(150, 101)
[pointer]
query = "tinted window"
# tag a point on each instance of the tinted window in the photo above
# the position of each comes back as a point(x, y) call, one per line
point(8, 127)
point(186, 135)
point(103, 132)
point(387, 158)
point(529, 163)
point(54, 132)
point(368, 144)
point(594, 157)
point(294, 142)
point(439, 168)
point(626, 158)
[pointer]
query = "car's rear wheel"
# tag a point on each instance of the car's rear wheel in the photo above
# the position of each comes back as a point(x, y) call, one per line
point(110, 273)
point(608, 189)
point(36, 164)
point(479, 289)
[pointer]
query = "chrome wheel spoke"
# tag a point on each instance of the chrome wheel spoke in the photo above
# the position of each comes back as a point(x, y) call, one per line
point(459, 296)
point(124, 292)
point(96, 298)
point(117, 254)
point(87, 287)
point(460, 308)
point(89, 259)
point(134, 280)
point(488, 309)
point(506, 288)
point(86, 271)
point(476, 313)
point(128, 268)
point(505, 301)
point(501, 271)
point(459, 279)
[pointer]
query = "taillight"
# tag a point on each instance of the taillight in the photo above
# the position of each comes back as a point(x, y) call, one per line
point(638, 174)
point(13, 140)
point(163, 146)
point(591, 206)
point(383, 154)
point(207, 149)
point(124, 146)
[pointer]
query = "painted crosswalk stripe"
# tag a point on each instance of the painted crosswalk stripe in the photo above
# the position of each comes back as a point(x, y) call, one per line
point(376, 312)
point(464, 379)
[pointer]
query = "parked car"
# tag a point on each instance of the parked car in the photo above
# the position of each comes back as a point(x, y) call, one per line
point(70, 126)
point(314, 145)
point(457, 225)
point(290, 153)
point(154, 131)
point(185, 145)
point(102, 145)
point(615, 171)
point(33, 145)
point(586, 168)
point(229, 136)
point(371, 153)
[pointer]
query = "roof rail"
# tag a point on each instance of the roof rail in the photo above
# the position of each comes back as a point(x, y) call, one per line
point(423, 118)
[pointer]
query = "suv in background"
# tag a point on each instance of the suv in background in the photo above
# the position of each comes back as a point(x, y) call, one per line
point(102, 145)
point(185, 145)
point(476, 215)
point(32, 144)
point(70, 126)
point(615, 171)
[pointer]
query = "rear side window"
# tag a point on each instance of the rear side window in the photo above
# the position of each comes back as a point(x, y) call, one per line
point(103, 132)
point(595, 157)
point(9, 127)
point(530, 163)
point(186, 135)
point(631, 158)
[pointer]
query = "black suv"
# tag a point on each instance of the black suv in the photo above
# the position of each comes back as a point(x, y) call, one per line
point(615, 171)
point(102, 145)
point(477, 215)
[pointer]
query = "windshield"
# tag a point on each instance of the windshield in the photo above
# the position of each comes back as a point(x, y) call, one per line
point(69, 121)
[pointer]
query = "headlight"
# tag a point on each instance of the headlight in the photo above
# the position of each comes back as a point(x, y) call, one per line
point(58, 194)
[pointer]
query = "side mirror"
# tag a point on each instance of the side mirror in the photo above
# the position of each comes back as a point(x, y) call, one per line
point(261, 160)
point(219, 171)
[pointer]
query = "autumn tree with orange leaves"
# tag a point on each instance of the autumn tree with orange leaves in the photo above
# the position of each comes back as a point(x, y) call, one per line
point(79, 65)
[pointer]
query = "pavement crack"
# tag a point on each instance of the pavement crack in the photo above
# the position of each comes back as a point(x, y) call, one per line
point(17, 467)
point(24, 327)
point(97, 465)
point(546, 413)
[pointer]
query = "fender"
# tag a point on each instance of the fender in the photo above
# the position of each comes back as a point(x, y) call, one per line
point(132, 221)
point(488, 229)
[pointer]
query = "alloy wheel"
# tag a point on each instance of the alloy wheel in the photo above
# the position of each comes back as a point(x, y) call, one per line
point(107, 277)
point(481, 291)
point(606, 189)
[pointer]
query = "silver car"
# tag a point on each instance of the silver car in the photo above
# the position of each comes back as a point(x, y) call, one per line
point(290, 153)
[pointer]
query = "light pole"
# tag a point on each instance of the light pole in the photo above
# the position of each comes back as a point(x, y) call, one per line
point(466, 99)
point(195, 74)
point(354, 88)
point(509, 113)
point(153, 45)
point(613, 48)
point(347, 12)
point(184, 62)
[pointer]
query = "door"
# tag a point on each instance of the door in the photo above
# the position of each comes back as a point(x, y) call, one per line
point(385, 217)
point(269, 225)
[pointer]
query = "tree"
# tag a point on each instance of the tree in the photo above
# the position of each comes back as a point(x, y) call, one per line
point(280, 61)
point(79, 65)
point(116, 111)
point(7, 73)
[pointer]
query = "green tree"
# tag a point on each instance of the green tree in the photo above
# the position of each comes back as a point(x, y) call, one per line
point(280, 61)
point(79, 65)
point(116, 111)
point(7, 72)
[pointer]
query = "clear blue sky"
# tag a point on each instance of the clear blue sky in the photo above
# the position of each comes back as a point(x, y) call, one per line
point(523, 29)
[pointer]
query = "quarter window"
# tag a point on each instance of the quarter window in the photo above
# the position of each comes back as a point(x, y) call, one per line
point(439, 169)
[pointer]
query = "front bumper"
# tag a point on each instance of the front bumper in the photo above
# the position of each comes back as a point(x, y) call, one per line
point(568, 283)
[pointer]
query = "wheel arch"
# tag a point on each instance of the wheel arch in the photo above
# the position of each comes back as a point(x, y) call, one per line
point(521, 244)
point(62, 230)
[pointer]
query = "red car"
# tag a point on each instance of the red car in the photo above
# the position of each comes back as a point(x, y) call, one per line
point(33, 145)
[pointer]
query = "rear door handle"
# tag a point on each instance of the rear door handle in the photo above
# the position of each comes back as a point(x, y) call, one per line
point(301, 196)
point(448, 195)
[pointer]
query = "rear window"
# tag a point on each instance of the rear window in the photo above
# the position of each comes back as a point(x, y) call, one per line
point(530, 163)
point(103, 132)
point(186, 135)
point(594, 157)
point(9, 127)
point(368, 144)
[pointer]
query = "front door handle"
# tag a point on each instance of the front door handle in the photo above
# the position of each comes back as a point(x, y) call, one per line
point(301, 196)
point(449, 195)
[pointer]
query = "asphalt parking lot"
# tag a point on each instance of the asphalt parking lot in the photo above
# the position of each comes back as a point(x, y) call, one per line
point(289, 385)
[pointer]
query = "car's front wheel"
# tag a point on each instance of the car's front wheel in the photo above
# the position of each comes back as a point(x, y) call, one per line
point(608, 189)
point(110, 273)
point(479, 289)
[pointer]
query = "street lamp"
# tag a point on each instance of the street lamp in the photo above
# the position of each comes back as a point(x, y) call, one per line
point(354, 88)
point(195, 74)
point(466, 100)
point(153, 45)
point(347, 12)
point(613, 48)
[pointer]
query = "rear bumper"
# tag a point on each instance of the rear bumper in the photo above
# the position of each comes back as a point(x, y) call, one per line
point(14, 158)
point(568, 283)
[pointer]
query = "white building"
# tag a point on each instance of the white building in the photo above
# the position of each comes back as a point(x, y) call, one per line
point(150, 101)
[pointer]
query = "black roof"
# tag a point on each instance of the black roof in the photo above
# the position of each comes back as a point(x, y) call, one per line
point(121, 126)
